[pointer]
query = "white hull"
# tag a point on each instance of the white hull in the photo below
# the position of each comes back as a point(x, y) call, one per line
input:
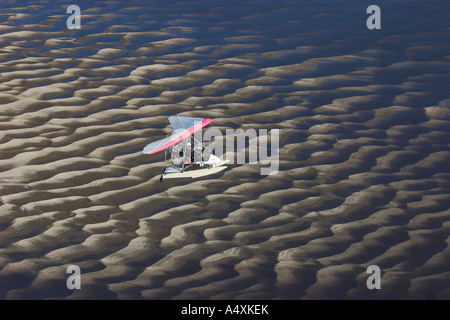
point(195, 173)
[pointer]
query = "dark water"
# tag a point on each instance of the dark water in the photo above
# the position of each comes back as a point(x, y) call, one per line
point(363, 179)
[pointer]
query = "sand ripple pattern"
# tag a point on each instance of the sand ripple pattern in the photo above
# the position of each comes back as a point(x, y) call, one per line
point(364, 120)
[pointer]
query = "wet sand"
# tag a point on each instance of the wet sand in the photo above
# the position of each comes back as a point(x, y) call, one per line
point(363, 116)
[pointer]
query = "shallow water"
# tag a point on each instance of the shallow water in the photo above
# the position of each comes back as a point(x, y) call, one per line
point(363, 179)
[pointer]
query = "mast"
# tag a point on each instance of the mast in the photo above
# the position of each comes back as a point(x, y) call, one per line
point(192, 149)
point(184, 158)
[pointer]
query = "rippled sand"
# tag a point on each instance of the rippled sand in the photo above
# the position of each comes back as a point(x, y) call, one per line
point(364, 118)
